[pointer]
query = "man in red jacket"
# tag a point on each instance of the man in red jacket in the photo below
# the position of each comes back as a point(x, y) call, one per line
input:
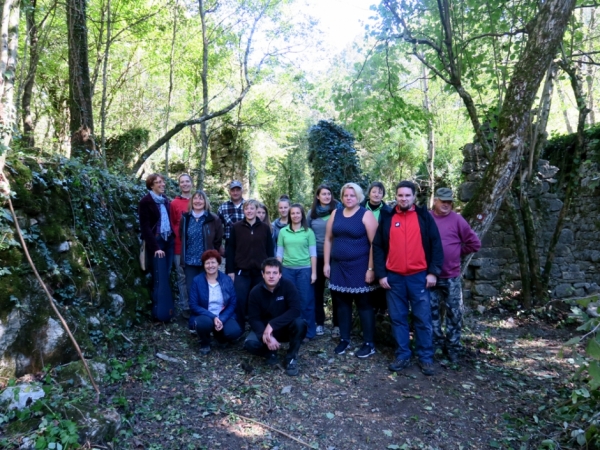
point(179, 205)
point(458, 239)
point(408, 257)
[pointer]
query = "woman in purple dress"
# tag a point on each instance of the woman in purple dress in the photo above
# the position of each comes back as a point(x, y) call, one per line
point(348, 263)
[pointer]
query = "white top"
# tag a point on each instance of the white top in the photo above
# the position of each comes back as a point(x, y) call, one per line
point(215, 298)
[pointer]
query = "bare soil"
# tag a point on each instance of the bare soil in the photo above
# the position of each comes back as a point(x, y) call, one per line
point(231, 400)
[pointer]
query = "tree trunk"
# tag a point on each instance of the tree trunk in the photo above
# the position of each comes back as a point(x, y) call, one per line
point(430, 136)
point(544, 37)
point(171, 72)
point(571, 176)
point(561, 95)
point(521, 249)
point(81, 124)
point(533, 257)
point(104, 84)
point(9, 40)
point(204, 78)
point(32, 33)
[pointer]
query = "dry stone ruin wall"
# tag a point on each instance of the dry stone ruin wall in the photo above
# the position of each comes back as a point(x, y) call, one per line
point(494, 269)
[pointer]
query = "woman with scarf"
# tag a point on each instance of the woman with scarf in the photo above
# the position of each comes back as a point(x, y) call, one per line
point(159, 238)
point(322, 207)
point(200, 230)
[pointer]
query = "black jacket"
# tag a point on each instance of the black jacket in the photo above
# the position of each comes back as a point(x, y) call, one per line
point(383, 206)
point(278, 308)
point(430, 237)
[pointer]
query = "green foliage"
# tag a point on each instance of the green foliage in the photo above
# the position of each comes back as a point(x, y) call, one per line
point(580, 416)
point(333, 157)
point(126, 146)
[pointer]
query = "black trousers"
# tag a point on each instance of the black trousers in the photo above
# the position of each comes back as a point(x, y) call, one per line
point(294, 333)
point(243, 284)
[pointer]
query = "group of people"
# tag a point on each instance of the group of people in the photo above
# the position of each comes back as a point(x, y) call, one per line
point(403, 259)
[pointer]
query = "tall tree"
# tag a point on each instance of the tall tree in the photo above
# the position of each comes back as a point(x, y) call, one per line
point(81, 123)
point(446, 48)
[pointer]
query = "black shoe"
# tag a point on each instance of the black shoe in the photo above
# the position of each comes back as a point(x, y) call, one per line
point(453, 357)
point(399, 364)
point(426, 368)
point(204, 350)
point(365, 351)
point(271, 359)
point(291, 368)
point(341, 347)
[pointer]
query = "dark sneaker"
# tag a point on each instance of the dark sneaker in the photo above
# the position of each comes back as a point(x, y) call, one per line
point(365, 351)
point(291, 368)
point(399, 364)
point(342, 346)
point(453, 357)
point(205, 350)
point(426, 368)
point(271, 359)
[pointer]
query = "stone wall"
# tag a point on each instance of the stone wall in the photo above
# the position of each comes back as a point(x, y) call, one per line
point(494, 270)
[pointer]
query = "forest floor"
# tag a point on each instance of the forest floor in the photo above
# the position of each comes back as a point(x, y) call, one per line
point(512, 370)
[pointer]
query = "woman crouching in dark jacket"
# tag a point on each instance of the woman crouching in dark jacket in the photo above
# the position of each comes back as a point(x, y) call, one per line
point(212, 304)
point(200, 230)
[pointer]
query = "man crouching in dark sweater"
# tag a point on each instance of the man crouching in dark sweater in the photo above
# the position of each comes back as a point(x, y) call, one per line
point(274, 316)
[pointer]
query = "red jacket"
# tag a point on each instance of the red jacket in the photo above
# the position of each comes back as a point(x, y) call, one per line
point(179, 205)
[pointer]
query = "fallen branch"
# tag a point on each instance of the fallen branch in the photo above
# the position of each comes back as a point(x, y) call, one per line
point(51, 300)
point(273, 429)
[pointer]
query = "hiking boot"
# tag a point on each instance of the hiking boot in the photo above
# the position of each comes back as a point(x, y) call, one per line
point(335, 332)
point(341, 347)
point(271, 359)
point(291, 368)
point(426, 368)
point(320, 331)
point(399, 364)
point(205, 350)
point(365, 351)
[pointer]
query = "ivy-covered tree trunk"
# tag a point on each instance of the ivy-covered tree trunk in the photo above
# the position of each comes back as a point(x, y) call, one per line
point(81, 123)
point(32, 32)
point(9, 35)
point(545, 35)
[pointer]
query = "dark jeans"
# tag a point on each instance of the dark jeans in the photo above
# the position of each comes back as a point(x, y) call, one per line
point(378, 300)
point(243, 284)
point(204, 325)
point(409, 291)
point(190, 273)
point(294, 333)
point(301, 279)
point(365, 312)
point(162, 299)
point(320, 297)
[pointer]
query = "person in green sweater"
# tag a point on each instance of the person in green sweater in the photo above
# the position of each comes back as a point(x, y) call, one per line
point(297, 250)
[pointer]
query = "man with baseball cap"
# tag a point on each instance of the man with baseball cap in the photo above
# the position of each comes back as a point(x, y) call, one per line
point(232, 210)
point(458, 239)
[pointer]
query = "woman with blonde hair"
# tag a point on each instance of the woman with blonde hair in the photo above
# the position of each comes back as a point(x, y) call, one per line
point(348, 263)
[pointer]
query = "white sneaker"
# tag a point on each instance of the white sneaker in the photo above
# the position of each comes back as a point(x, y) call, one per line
point(320, 331)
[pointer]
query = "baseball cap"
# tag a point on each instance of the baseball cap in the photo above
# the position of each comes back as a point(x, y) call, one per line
point(235, 184)
point(444, 194)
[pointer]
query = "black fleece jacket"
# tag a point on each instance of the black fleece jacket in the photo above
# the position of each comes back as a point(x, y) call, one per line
point(278, 308)
point(248, 246)
point(430, 237)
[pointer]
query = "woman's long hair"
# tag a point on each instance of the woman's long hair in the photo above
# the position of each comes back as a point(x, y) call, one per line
point(267, 218)
point(303, 222)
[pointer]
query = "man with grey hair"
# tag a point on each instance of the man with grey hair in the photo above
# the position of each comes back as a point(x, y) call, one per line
point(458, 239)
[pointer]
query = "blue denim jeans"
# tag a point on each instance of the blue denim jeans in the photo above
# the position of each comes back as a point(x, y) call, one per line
point(408, 292)
point(306, 292)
